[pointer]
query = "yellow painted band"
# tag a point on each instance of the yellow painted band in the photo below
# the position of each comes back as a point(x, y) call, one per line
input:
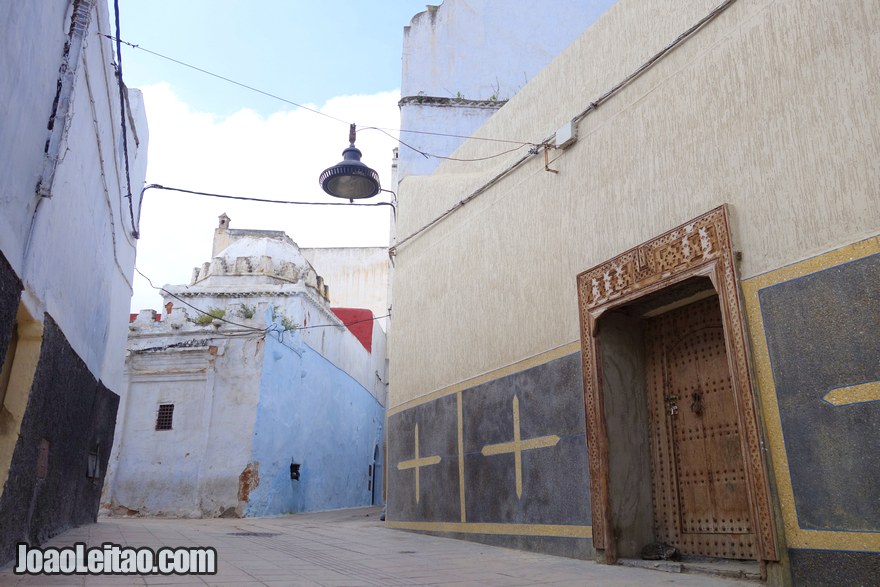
point(528, 444)
point(552, 530)
point(854, 394)
point(462, 507)
point(796, 537)
point(527, 363)
point(420, 462)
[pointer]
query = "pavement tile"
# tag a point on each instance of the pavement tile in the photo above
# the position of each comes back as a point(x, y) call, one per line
point(104, 580)
point(343, 549)
point(170, 580)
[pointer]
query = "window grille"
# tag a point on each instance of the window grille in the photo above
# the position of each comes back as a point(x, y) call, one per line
point(164, 416)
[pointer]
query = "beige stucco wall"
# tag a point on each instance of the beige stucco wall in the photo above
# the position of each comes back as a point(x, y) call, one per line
point(772, 108)
point(357, 276)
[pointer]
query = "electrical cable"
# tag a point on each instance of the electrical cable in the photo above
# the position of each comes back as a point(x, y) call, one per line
point(577, 119)
point(263, 200)
point(502, 153)
point(461, 203)
point(121, 85)
point(441, 134)
point(346, 324)
point(298, 105)
point(199, 310)
point(270, 328)
point(226, 79)
point(429, 155)
point(656, 57)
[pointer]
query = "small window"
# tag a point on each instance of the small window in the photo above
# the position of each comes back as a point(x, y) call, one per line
point(164, 417)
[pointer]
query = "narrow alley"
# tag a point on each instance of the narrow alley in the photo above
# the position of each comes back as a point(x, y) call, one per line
point(342, 548)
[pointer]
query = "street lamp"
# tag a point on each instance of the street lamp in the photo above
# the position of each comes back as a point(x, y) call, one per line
point(350, 179)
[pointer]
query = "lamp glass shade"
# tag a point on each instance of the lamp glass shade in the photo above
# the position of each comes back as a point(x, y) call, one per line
point(350, 179)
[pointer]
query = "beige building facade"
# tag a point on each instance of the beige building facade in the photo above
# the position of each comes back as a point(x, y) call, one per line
point(738, 166)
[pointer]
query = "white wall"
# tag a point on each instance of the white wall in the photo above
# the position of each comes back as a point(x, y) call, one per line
point(193, 469)
point(74, 251)
point(478, 51)
point(260, 269)
point(27, 90)
point(213, 375)
point(482, 49)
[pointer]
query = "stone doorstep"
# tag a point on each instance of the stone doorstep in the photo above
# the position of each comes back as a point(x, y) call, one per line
point(731, 569)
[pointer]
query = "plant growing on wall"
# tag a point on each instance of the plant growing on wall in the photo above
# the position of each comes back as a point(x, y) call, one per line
point(286, 322)
point(208, 317)
point(247, 311)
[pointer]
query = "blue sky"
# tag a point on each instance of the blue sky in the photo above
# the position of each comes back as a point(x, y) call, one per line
point(302, 50)
point(342, 57)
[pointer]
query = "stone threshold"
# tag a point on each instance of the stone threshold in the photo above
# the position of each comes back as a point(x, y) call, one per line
point(732, 569)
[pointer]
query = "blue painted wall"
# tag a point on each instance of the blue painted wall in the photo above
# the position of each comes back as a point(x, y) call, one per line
point(312, 413)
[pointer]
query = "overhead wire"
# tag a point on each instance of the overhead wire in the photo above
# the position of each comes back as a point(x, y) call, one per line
point(447, 158)
point(121, 85)
point(442, 134)
point(263, 200)
point(373, 319)
point(199, 310)
point(226, 79)
point(313, 110)
point(650, 62)
point(577, 119)
point(253, 328)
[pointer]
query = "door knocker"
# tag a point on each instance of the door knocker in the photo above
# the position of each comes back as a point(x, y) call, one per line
point(697, 403)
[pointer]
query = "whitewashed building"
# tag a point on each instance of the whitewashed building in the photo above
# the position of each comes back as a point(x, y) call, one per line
point(263, 403)
point(462, 61)
point(67, 250)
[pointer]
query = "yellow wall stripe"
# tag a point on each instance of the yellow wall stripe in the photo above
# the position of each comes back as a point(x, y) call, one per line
point(527, 363)
point(461, 461)
point(796, 537)
point(552, 530)
point(854, 394)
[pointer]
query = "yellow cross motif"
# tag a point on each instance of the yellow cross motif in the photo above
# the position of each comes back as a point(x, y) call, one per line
point(854, 394)
point(417, 462)
point(517, 446)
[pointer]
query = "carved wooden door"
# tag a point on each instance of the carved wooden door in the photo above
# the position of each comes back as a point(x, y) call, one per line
point(699, 487)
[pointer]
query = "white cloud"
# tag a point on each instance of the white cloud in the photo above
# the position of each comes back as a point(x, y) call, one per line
point(279, 157)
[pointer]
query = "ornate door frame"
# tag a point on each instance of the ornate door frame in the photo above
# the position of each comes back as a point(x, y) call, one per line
point(700, 247)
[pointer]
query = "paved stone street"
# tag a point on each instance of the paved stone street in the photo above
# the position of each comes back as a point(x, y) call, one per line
point(342, 548)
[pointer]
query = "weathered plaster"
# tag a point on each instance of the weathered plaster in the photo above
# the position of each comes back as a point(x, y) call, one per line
point(70, 246)
point(252, 392)
point(72, 414)
point(75, 248)
point(259, 268)
point(313, 414)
